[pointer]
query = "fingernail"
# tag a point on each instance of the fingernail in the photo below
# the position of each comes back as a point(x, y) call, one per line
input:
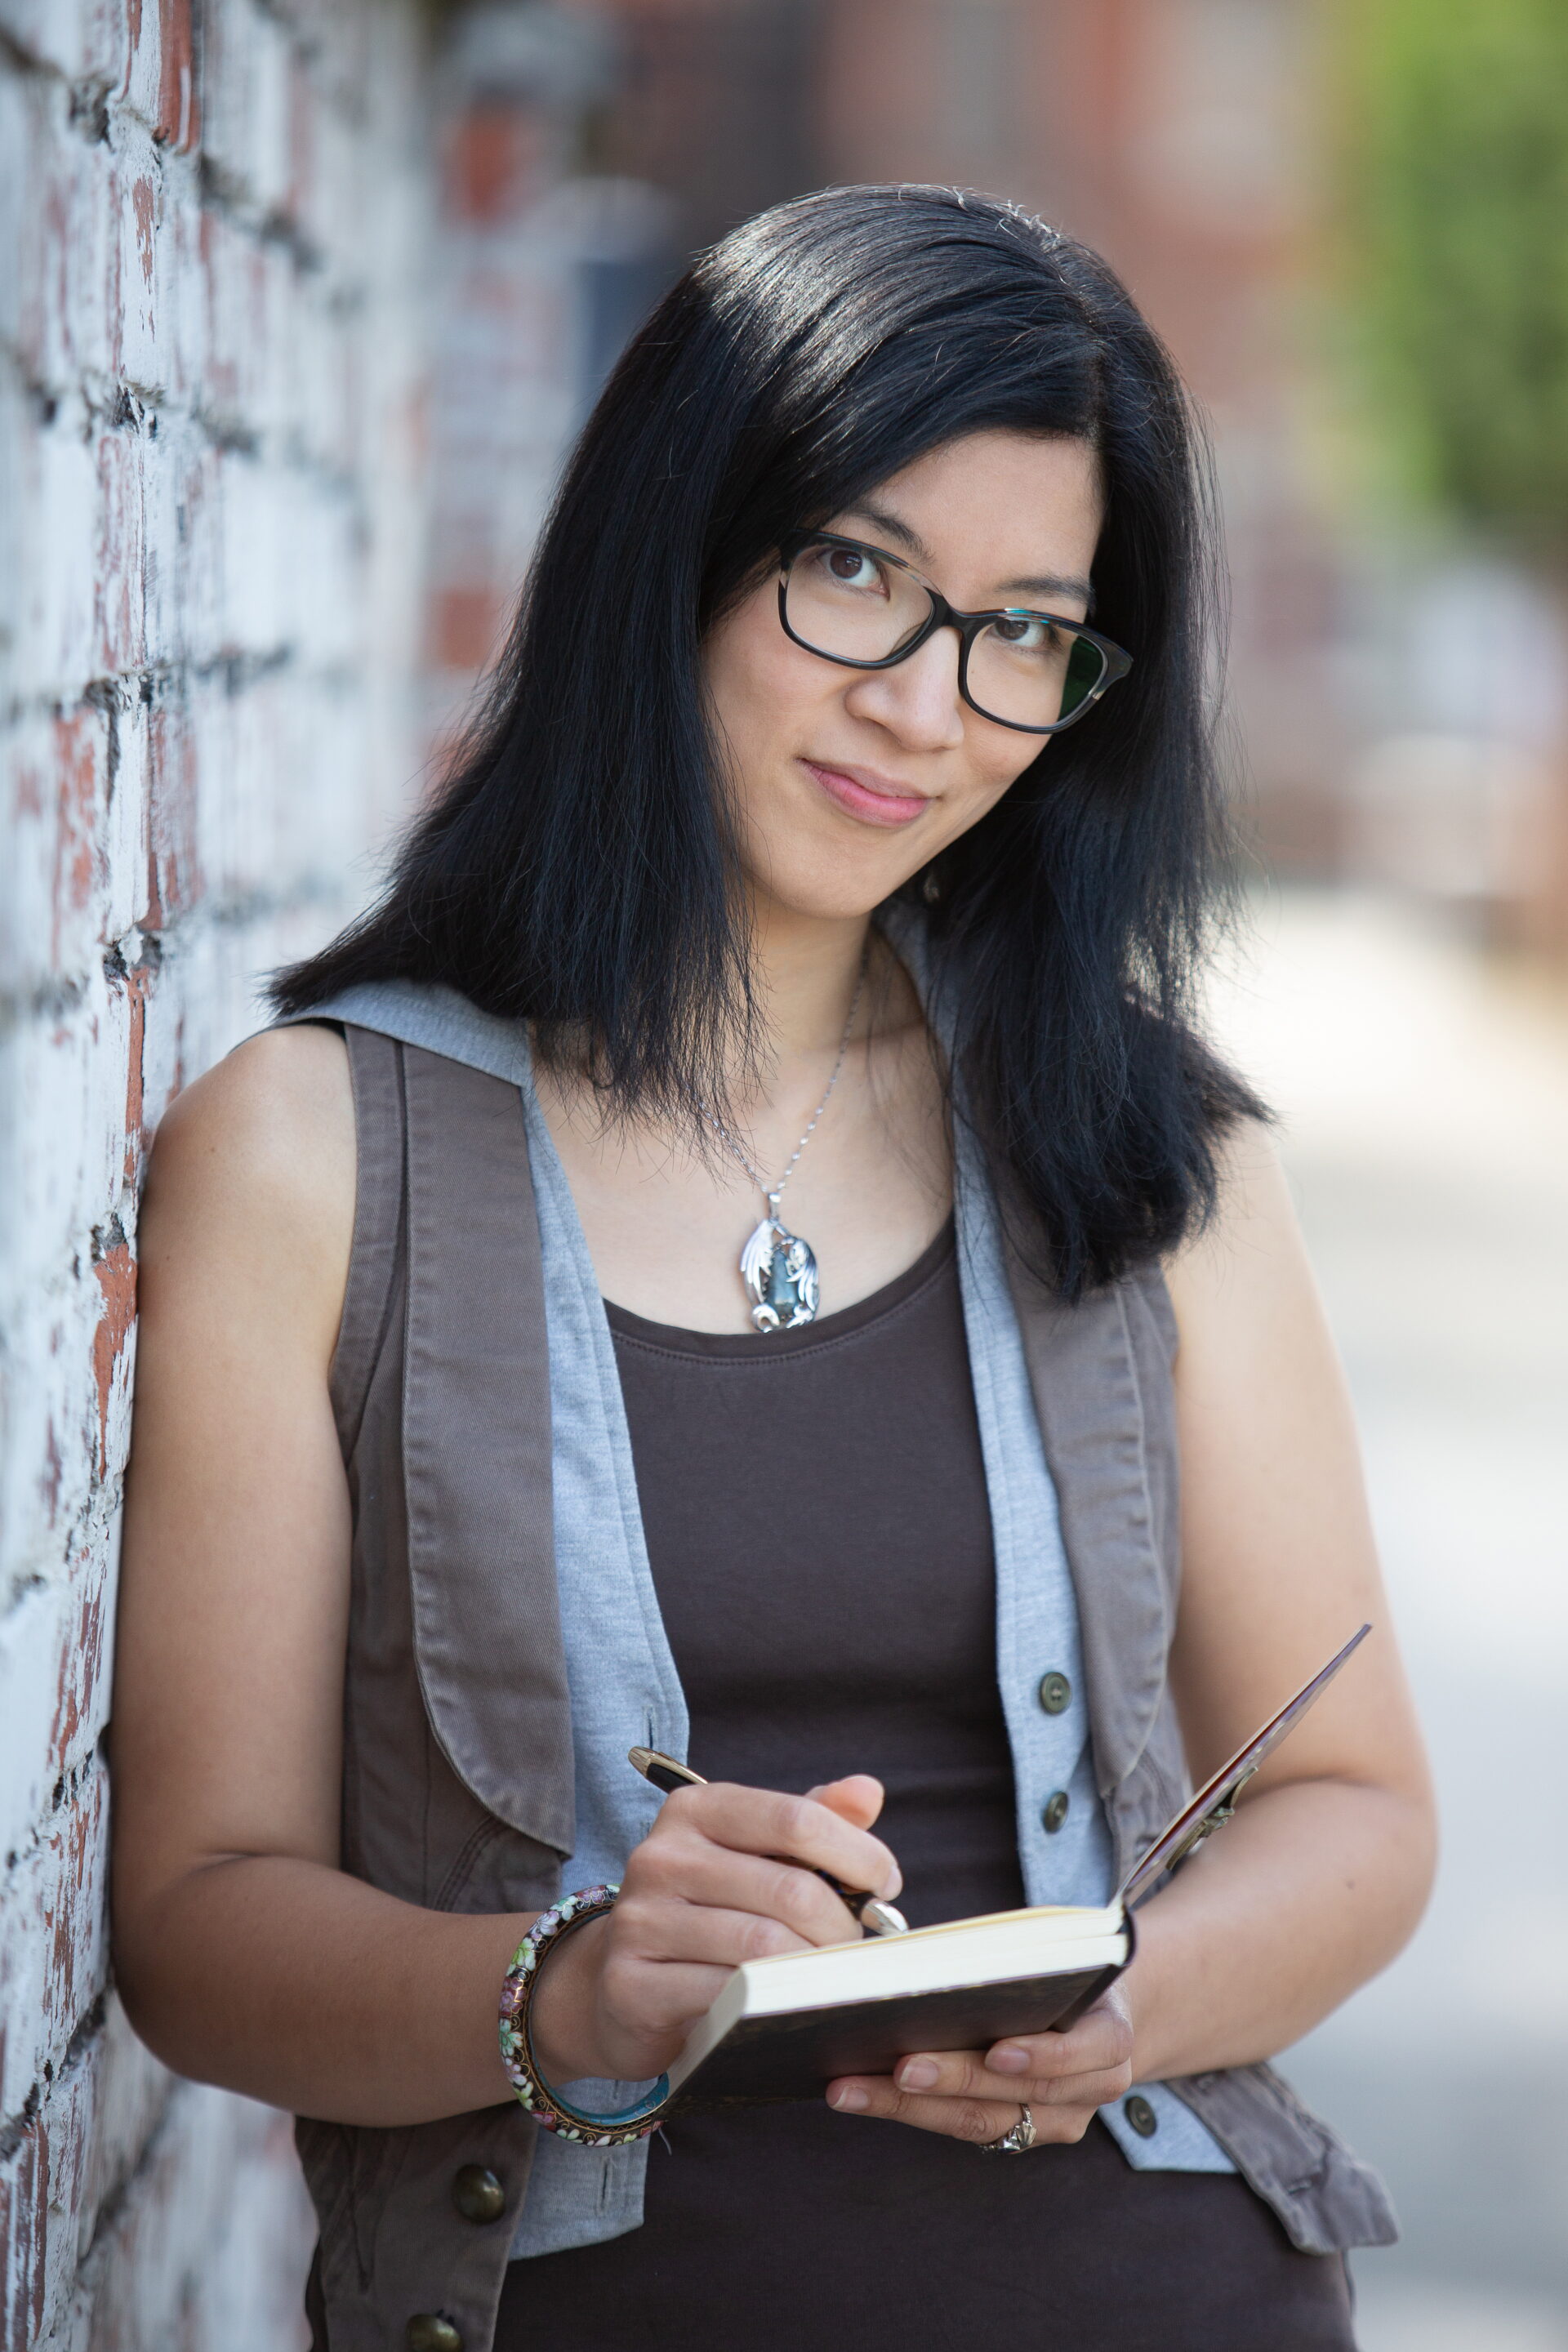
point(917, 2074)
point(851, 2100)
point(1009, 2060)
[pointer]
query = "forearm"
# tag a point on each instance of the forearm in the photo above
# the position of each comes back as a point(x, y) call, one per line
point(297, 1984)
point(1311, 1890)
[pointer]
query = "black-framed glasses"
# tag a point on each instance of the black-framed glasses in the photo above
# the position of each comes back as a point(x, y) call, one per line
point(857, 605)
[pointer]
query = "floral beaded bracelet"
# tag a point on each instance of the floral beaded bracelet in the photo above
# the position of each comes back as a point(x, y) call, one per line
point(547, 2106)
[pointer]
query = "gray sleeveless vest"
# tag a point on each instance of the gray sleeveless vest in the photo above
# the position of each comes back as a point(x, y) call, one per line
point(505, 1646)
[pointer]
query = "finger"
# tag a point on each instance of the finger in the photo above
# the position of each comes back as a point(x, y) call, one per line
point(858, 1799)
point(879, 2096)
point(658, 1931)
point(1102, 2038)
point(965, 2074)
point(692, 1871)
point(765, 1821)
point(978, 2121)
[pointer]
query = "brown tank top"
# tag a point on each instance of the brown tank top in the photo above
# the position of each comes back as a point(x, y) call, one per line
point(819, 1533)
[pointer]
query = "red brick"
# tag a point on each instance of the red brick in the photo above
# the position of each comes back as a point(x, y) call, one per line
point(178, 117)
point(212, 607)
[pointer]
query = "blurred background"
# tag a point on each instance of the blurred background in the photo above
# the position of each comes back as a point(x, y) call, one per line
point(305, 303)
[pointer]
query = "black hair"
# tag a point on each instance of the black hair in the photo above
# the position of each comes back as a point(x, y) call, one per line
point(577, 870)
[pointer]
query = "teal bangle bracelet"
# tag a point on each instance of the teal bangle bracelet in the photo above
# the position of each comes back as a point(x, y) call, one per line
point(547, 2108)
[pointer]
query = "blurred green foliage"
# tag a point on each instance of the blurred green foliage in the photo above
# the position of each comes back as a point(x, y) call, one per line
point(1456, 250)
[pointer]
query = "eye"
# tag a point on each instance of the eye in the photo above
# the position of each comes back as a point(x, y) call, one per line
point(852, 567)
point(1021, 629)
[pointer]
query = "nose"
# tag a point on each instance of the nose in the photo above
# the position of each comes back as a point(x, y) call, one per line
point(917, 700)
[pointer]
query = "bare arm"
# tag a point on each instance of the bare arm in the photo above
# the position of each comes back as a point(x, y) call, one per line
point(1322, 1874)
point(245, 1954)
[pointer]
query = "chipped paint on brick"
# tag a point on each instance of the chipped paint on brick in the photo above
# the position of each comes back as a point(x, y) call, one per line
point(116, 1278)
point(139, 979)
point(216, 639)
point(144, 208)
point(78, 853)
point(179, 118)
point(173, 877)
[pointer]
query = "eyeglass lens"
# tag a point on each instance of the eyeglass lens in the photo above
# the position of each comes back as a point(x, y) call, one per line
point(1022, 670)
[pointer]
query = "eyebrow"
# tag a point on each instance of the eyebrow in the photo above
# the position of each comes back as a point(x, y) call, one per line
point(1043, 583)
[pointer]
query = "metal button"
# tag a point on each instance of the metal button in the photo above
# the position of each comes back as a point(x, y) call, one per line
point(1054, 1811)
point(1056, 1693)
point(428, 2332)
point(1141, 2116)
point(478, 2194)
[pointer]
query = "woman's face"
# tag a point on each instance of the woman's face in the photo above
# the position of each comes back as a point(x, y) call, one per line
point(849, 781)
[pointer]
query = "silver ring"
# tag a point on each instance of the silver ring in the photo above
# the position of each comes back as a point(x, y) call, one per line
point(1016, 2142)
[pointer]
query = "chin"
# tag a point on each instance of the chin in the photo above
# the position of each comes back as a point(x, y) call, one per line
point(841, 889)
point(820, 868)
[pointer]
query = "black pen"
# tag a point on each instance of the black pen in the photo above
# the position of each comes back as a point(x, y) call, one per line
point(877, 1918)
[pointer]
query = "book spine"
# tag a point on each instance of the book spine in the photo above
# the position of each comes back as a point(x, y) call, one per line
point(1102, 1983)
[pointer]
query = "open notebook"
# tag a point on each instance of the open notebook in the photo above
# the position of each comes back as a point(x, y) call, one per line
point(782, 2028)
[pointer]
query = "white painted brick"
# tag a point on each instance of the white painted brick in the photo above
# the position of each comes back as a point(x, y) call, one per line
point(137, 201)
point(71, 1080)
point(52, 594)
point(160, 81)
point(215, 2226)
point(75, 834)
point(246, 70)
point(77, 37)
point(29, 1645)
point(63, 323)
point(242, 283)
point(18, 101)
point(41, 2177)
point(212, 471)
point(330, 178)
point(54, 1942)
point(342, 52)
point(130, 2091)
point(181, 270)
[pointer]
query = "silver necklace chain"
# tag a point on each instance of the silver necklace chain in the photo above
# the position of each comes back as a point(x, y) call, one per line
point(771, 1194)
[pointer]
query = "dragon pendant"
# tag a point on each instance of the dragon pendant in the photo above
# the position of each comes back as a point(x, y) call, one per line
point(779, 1271)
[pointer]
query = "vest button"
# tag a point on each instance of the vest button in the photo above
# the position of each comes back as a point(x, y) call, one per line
point(478, 2194)
point(428, 2332)
point(1056, 1694)
point(1141, 2116)
point(1054, 1811)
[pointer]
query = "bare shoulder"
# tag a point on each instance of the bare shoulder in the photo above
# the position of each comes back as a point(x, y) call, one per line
point(1251, 1254)
point(251, 1182)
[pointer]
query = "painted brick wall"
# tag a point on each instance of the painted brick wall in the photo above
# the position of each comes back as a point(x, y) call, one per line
point(211, 253)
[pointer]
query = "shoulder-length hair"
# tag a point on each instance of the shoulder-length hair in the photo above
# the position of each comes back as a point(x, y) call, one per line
point(578, 870)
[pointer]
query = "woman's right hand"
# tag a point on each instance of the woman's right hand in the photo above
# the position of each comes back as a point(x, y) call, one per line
point(725, 1874)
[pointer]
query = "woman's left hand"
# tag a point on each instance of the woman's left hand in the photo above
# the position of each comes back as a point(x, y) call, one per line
point(975, 2095)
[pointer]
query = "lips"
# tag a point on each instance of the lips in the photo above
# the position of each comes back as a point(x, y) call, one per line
point(861, 793)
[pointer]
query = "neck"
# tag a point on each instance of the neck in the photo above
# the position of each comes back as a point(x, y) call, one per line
point(805, 969)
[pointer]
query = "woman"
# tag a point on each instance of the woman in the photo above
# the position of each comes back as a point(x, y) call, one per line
point(830, 868)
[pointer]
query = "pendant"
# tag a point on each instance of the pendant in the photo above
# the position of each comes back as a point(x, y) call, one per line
point(779, 1271)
